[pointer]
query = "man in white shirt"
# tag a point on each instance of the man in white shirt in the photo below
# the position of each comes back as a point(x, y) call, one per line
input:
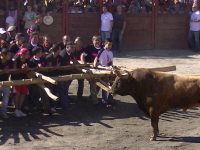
point(194, 33)
point(106, 23)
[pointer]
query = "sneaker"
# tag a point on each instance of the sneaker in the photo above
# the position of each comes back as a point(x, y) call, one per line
point(22, 114)
point(17, 113)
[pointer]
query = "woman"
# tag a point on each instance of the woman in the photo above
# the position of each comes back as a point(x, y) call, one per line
point(29, 18)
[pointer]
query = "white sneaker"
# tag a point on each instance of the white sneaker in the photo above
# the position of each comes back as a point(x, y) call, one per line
point(22, 114)
point(17, 113)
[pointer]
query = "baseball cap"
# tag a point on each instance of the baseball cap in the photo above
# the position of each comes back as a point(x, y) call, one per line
point(11, 28)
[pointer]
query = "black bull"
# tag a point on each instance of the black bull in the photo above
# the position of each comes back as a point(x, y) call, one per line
point(155, 92)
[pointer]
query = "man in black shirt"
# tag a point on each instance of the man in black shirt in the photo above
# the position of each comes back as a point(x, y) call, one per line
point(88, 56)
point(67, 58)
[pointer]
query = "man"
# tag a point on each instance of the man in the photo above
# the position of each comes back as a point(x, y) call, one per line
point(66, 58)
point(106, 23)
point(65, 39)
point(119, 26)
point(194, 32)
point(88, 56)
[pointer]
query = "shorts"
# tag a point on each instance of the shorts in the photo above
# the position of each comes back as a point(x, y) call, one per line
point(22, 89)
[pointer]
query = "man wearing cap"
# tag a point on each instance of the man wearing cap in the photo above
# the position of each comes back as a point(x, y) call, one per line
point(11, 32)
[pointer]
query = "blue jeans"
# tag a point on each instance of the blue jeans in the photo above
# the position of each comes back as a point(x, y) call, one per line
point(105, 35)
point(194, 40)
point(116, 38)
point(5, 92)
point(63, 88)
point(107, 97)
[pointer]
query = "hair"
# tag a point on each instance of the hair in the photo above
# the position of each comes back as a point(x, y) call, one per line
point(19, 35)
point(55, 47)
point(36, 50)
point(78, 38)
point(23, 39)
point(96, 37)
point(108, 40)
point(70, 43)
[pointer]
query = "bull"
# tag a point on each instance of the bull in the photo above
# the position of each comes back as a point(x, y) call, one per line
point(156, 92)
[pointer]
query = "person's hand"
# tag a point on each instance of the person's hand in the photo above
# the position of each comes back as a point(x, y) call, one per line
point(24, 66)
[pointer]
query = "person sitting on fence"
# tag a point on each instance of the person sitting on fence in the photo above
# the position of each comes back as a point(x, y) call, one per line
point(105, 58)
point(5, 64)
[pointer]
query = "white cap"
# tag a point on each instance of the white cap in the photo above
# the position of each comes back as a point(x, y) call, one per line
point(2, 31)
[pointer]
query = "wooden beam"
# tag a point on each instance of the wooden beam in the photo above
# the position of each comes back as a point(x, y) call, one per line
point(46, 78)
point(43, 69)
point(164, 69)
point(58, 79)
point(103, 86)
point(48, 92)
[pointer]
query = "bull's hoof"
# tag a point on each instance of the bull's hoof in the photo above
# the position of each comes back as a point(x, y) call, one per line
point(153, 138)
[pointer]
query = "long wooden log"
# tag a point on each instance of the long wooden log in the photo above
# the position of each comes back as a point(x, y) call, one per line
point(161, 69)
point(164, 69)
point(103, 86)
point(43, 69)
point(46, 78)
point(58, 79)
point(48, 92)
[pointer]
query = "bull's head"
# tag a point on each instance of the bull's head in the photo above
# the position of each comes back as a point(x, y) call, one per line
point(122, 83)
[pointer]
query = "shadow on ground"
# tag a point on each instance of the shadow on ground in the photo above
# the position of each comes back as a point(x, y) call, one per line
point(80, 112)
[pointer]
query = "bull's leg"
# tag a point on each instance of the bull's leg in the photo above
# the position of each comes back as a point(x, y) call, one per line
point(154, 124)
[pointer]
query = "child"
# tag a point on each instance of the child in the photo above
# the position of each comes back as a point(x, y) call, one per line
point(105, 58)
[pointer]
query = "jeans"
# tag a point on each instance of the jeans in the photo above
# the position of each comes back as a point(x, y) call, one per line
point(107, 97)
point(105, 35)
point(194, 40)
point(117, 39)
point(63, 88)
point(5, 92)
point(80, 88)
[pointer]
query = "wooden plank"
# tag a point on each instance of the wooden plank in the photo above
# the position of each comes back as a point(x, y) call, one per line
point(43, 69)
point(46, 78)
point(58, 79)
point(48, 92)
